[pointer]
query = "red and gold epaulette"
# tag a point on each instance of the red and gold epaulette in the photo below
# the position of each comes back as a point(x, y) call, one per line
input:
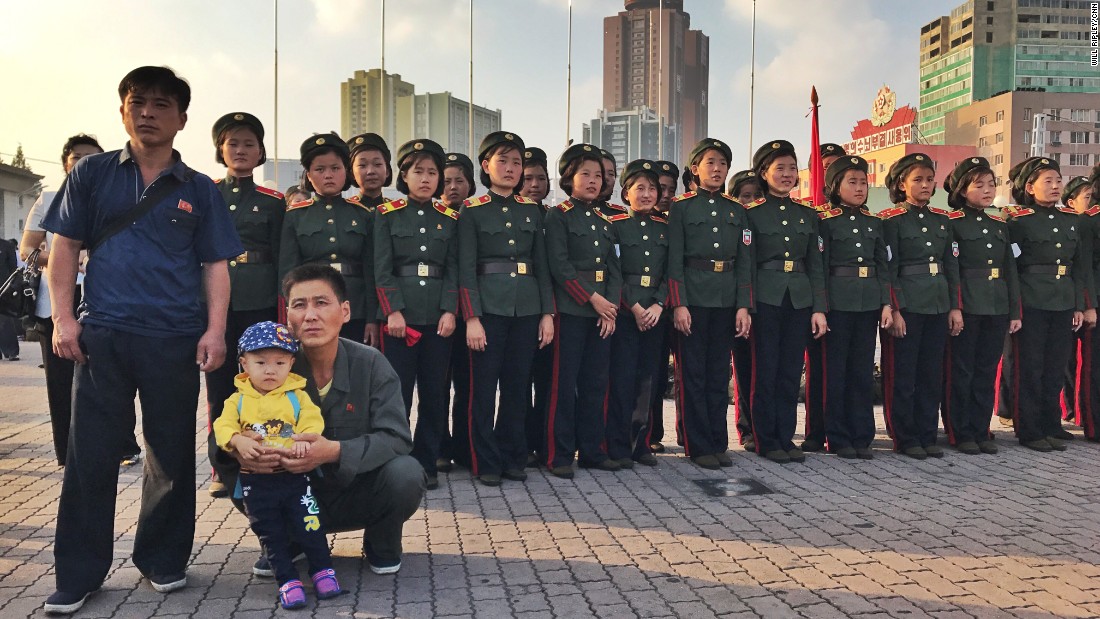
point(615, 217)
point(1092, 212)
point(565, 206)
point(301, 204)
point(615, 207)
point(731, 198)
point(996, 218)
point(354, 199)
point(1067, 209)
point(446, 210)
point(892, 212)
point(391, 206)
point(684, 196)
point(658, 219)
point(478, 201)
point(523, 200)
point(829, 214)
point(269, 192)
point(866, 211)
point(949, 213)
point(805, 203)
point(755, 203)
point(1017, 211)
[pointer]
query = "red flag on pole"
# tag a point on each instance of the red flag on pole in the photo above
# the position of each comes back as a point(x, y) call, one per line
point(817, 171)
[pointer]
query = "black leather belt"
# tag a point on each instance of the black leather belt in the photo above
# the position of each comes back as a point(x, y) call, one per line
point(419, 270)
point(495, 268)
point(714, 266)
point(787, 266)
point(592, 276)
point(991, 273)
point(932, 268)
point(256, 256)
point(347, 269)
point(1046, 269)
point(861, 272)
point(644, 281)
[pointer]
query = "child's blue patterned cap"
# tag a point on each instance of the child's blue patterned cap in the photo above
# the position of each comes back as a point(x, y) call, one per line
point(267, 334)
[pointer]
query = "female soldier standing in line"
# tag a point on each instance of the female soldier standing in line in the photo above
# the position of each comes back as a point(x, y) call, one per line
point(370, 168)
point(859, 299)
point(668, 175)
point(536, 186)
point(1085, 380)
point(710, 287)
point(257, 213)
point(922, 263)
point(504, 289)
point(331, 230)
point(1054, 267)
point(988, 294)
point(790, 293)
point(640, 327)
point(580, 248)
point(745, 187)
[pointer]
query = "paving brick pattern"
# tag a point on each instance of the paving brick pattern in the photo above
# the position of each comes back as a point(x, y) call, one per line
point(1011, 535)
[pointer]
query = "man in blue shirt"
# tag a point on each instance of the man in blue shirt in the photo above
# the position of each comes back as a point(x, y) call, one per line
point(145, 328)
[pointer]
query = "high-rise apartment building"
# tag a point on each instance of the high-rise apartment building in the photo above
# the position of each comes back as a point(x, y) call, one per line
point(631, 135)
point(986, 47)
point(363, 108)
point(652, 58)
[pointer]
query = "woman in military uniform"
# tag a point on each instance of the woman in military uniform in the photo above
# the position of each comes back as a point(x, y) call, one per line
point(536, 186)
point(668, 175)
point(330, 230)
point(710, 288)
point(416, 275)
point(746, 188)
point(858, 288)
point(370, 168)
point(790, 293)
point(508, 305)
point(988, 295)
point(257, 213)
point(1084, 382)
point(922, 263)
point(1054, 267)
point(580, 248)
point(640, 324)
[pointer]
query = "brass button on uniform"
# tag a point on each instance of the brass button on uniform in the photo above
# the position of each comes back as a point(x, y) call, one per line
point(511, 241)
point(232, 207)
point(232, 263)
point(333, 256)
point(505, 209)
point(331, 239)
point(328, 207)
point(331, 221)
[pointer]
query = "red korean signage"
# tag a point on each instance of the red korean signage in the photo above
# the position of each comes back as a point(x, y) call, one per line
point(888, 125)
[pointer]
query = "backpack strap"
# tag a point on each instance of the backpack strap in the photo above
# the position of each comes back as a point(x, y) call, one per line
point(237, 492)
point(293, 397)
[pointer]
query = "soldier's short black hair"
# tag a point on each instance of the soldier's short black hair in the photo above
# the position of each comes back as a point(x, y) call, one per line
point(411, 161)
point(493, 152)
point(834, 191)
point(314, 273)
point(565, 180)
point(224, 135)
point(897, 194)
point(159, 79)
point(465, 172)
point(307, 161)
point(957, 198)
point(80, 139)
point(653, 177)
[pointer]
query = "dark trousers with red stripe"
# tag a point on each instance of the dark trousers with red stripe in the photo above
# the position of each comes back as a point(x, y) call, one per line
point(457, 446)
point(542, 372)
point(635, 360)
point(657, 406)
point(703, 377)
point(1006, 387)
point(423, 365)
point(1040, 352)
point(742, 386)
point(847, 364)
point(816, 384)
point(498, 442)
point(575, 418)
point(779, 334)
point(970, 377)
point(915, 364)
point(1088, 383)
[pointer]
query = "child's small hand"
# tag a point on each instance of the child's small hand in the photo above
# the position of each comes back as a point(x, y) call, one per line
point(245, 446)
point(301, 449)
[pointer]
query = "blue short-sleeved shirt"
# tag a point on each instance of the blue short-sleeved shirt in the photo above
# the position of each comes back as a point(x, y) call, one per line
point(147, 279)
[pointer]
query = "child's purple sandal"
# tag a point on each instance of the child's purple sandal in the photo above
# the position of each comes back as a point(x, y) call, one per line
point(292, 595)
point(325, 584)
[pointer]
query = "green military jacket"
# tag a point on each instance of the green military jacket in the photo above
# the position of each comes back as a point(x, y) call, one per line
point(416, 260)
point(643, 258)
point(332, 230)
point(580, 250)
point(1049, 238)
point(788, 252)
point(920, 258)
point(856, 273)
point(257, 214)
point(502, 235)
point(709, 228)
point(987, 284)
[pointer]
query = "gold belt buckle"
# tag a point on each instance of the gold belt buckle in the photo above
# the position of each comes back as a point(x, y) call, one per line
point(243, 258)
point(788, 266)
point(521, 268)
point(422, 270)
point(994, 273)
point(719, 266)
point(645, 283)
point(599, 276)
point(934, 269)
point(864, 272)
point(1061, 269)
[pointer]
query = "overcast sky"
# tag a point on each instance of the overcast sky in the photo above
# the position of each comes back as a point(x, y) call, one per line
point(61, 61)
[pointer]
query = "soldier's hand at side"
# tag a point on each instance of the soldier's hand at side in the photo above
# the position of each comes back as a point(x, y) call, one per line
point(475, 335)
point(897, 329)
point(681, 319)
point(1015, 325)
point(655, 311)
point(743, 323)
point(395, 325)
point(546, 330)
point(641, 317)
point(1090, 318)
point(370, 333)
point(1078, 320)
point(446, 325)
point(887, 317)
point(211, 351)
point(607, 327)
point(955, 322)
point(818, 325)
point(606, 309)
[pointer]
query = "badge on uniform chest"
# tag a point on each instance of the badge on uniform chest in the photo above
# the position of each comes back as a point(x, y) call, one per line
point(746, 236)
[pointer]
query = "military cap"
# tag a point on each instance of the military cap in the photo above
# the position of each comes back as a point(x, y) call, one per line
point(497, 138)
point(606, 154)
point(453, 159)
point(708, 144)
point(323, 141)
point(636, 167)
point(840, 166)
point(962, 168)
point(667, 168)
point(1023, 171)
point(533, 155)
point(237, 119)
point(574, 152)
point(742, 177)
point(364, 141)
point(421, 146)
point(1074, 185)
point(770, 151)
point(897, 171)
point(829, 149)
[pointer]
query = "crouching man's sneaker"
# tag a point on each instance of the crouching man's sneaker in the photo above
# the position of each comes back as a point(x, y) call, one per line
point(378, 565)
point(65, 603)
point(167, 583)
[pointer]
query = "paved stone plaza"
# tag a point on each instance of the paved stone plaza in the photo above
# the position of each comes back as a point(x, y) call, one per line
point(1011, 535)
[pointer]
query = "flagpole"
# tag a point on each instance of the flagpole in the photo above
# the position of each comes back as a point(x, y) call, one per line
point(569, 75)
point(752, 77)
point(382, 127)
point(660, 79)
point(817, 171)
point(470, 148)
point(276, 166)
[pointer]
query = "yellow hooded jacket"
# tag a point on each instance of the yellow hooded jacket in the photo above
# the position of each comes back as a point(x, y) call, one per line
point(271, 415)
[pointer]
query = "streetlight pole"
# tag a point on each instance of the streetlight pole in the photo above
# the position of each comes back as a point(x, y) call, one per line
point(382, 126)
point(752, 76)
point(470, 149)
point(660, 79)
